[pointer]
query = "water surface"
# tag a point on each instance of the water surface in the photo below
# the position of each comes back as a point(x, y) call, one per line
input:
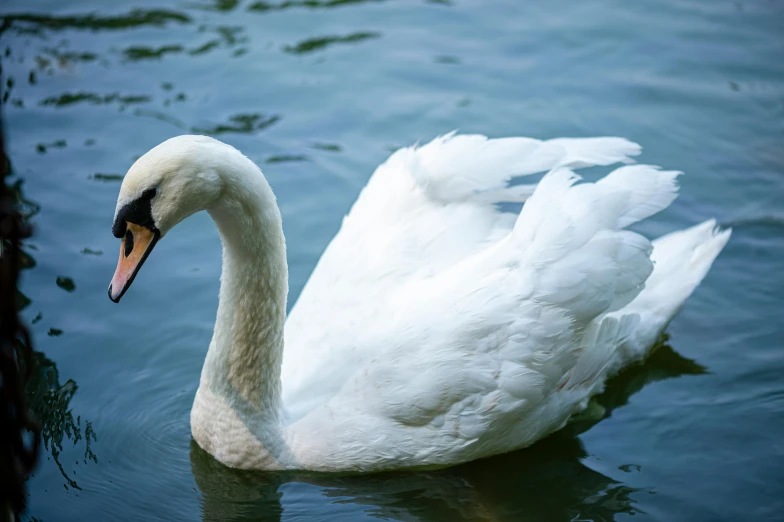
point(318, 92)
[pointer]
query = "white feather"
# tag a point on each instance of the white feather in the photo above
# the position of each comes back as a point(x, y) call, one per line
point(436, 329)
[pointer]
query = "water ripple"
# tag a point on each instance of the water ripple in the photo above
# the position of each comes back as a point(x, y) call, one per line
point(316, 44)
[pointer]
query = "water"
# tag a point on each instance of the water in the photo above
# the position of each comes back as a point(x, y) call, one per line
point(318, 93)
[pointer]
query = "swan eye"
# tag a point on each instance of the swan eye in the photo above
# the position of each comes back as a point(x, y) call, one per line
point(128, 243)
point(138, 211)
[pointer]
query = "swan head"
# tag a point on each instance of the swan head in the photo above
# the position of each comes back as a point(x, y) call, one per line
point(172, 181)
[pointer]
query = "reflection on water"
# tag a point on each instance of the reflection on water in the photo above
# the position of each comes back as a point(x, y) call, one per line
point(546, 481)
point(48, 399)
point(27, 209)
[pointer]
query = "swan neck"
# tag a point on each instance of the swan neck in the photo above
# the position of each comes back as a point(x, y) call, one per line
point(244, 359)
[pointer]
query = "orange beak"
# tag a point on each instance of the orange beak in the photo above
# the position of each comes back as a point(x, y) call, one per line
point(135, 246)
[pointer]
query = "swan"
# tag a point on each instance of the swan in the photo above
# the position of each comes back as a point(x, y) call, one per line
point(435, 329)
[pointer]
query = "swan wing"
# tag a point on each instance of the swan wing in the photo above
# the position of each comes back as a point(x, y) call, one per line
point(431, 206)
point(504, 346)
point(424, 210)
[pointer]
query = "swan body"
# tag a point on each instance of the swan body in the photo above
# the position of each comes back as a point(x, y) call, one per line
point(435, 329)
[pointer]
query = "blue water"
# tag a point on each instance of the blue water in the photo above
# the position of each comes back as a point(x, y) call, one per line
point(318, 92)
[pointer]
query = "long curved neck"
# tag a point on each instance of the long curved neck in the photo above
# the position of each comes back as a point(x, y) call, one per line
point(244, 359)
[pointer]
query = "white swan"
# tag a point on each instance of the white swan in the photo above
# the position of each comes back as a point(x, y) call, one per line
point(434, 329)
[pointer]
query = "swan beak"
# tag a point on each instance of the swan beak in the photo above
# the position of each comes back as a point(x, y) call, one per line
point(135, 246)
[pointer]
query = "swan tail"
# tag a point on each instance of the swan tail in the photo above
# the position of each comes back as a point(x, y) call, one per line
point(681, 261)
point(472, 167)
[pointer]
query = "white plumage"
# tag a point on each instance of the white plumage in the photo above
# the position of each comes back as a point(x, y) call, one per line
point(435, 329)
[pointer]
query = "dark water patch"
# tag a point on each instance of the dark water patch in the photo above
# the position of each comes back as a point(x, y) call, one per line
point(9, 86)
point(66, 283)
point(137, 53)
point(22, 301)
point(106, 177)
point(283, 158)
point(52, 58)
point(180, 97)
point(25, 206)
point(41, 148)
point(228, 38)
point(207, 47)
point(93, 99)
point(26, 261)
point(37, 23)
point(316, 44)
point(308, 4)
point(446, 59)
point(331, 147)
point(240, 123)
point(54, 332)
point(230, 34)
point(91, 252)
point(215, 5)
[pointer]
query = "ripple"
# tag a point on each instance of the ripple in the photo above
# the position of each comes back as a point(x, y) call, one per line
point(331, 147)
point(138, 53)
point(205, 48)
point(284, 158)
point(316, 44)
point(217, 5)
point(54, 57)
point(106, 177)
point(308, 4)
point(240, 123)
point(161, 432)
point(36, 23)
point(94, 99)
